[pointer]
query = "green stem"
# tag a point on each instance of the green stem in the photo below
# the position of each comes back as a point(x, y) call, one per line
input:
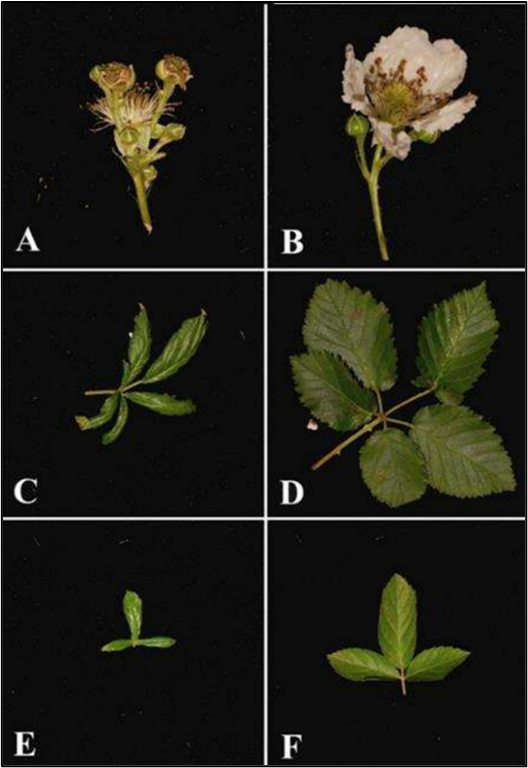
point(96, 392)
point(410, 400)
point(337, 450)
point(403, 686)
point(373, 185)
point(164, 96)
point(400, 422)
point(141, 193)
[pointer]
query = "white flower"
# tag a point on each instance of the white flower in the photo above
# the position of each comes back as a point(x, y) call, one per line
point(407, 82)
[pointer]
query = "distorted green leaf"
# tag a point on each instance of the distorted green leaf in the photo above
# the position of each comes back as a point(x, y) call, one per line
point(117, 645)
point(397, 622)
point(359, 664)
point(163, 404)
point(178, 351)
point(133, 610)
point(393, 468)
point(349, 323)
point(139, 344)
point(157, 642)
point(435, 664)
point(122, 417)
point(106, 413)
point(455, 339)
point(328, 389)
point(464, 455)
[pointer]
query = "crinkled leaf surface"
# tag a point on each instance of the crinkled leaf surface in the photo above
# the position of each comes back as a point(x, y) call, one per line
point(328, 389)
point(397, 622)
point(349, 323)
point(133, 610)
point(393, 468)
point(122, 417)
point(435, 664)
point(166, 405)
point(360, 664)
point(178, 351)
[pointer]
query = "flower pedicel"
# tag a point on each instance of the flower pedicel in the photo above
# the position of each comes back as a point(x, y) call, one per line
point(402, 93)
point(135, 112)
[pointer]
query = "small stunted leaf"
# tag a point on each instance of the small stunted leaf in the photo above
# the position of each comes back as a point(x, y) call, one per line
point(122, 417)
point(133, 610)
point(454, 341)
point(108, 409)
point(397, 622)
point(463, 453)
point(435, 664)
point(180, 348)
point(139, 345)
point(157, 642)
point(164, 404)
point(359, 664)
point(351, 324)
point(328, 389)
point(117, 645)
point(393, 468)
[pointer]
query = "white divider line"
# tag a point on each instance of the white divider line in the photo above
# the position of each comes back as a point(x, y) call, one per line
point(128, 519)
point(265, 390)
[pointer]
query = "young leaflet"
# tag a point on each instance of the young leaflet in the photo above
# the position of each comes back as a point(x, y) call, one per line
point(180, 348)
point(133, 610)
point(398, 660)
point(351, 360)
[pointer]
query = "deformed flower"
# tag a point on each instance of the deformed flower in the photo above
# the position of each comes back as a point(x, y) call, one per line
point(404, 87)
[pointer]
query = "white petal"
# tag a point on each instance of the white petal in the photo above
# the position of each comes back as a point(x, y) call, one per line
point(354, 82)
point(443, 61)
point(446, 117)
point(397, 144)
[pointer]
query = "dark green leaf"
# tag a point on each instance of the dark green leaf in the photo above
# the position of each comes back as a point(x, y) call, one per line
point(464, 455)
point(359, 664)
point(164, 404)
point(435, 664)
point(108, 409)
point(157, 642)
point(133, 610)
point(179, 350)
point(327, 388)
point(125, 379)
point(139, 345)
point(351, 324)
point(397, 622)
point(120, 423)
point(117, 645)
point(393, 468)
point(455, 339)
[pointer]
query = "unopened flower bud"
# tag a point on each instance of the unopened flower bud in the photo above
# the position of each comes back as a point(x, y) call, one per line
point(173, 132)
point(427, 138)
point(150, 173)
point(175, 70)
point(357, 125)
point(127, 141)
point(114, 76)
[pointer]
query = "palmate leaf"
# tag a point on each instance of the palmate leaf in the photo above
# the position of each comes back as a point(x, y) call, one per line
point(138, 347)
point(435, 664)
point(393, 468)
point(328, 389)
point(178, 351)
point(463, 454)
point(455, 339)
point(351, 324)
point(360, 664)
point(397, 622)
point(133, 610)
point(120, 423)
point(166, 405)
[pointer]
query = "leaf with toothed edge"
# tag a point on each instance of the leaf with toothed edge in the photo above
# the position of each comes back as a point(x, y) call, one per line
point(180, 348)
point(360, 664)
point(435, 664)
point(393, 468)
point(397, 622)
point(139, 345)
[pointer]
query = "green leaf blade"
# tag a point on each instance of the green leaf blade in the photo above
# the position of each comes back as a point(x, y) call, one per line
point(397, 622)
point(105, 415)
point(157, 642)
point(117, 645)
point(166, 405)
point(360, 665)
point(122, 417)
point(464, 455)
point(435, 664)
point(139, 345)
point(393, 468)
point(326, 387)
point(180, 348)
point(133, 610)
point(454, 341)
point(350, 324)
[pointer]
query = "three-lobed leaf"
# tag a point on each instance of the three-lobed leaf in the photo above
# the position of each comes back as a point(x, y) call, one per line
point(360, 664)
point(166, 405)
point(349, 323)
point(464, 455)
point(178, 351)
point(393, 468)
point(133, 610)
point(397, 622)
point(435, 664)
point(328, 389)
point(455, 339)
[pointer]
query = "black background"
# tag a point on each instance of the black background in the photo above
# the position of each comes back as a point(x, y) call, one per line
point(66, 182)
point(66, 333)
point(338, 487)
point(457, 203)
point(199, 703)
point(325, 588)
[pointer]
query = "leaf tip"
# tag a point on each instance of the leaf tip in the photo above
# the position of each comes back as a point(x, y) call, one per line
point(82, 422)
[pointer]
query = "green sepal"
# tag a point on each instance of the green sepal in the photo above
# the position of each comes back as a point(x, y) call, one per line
point(393, 468)
point(360, 665)
point(166, 405)
point(435, 664)
point(133, 610)
point(157, 642)
point(180, 348)
point(117, 645)
point(122, 417)
point(106, 413)
point(397, 622)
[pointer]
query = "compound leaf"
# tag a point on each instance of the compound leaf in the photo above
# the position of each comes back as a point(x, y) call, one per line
point(328, 389)
point(393, 468)
point(178, 351)
point(359, 664)
point(464, 455)
point(122, 417)
point(351, 324)
point(435, 663)
point(106, 413)
point(139, 345)
point(133, 610)
point(117, 645)
point(163, 404)
point(397, 622)
point(157, 642)
point(455, 339)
